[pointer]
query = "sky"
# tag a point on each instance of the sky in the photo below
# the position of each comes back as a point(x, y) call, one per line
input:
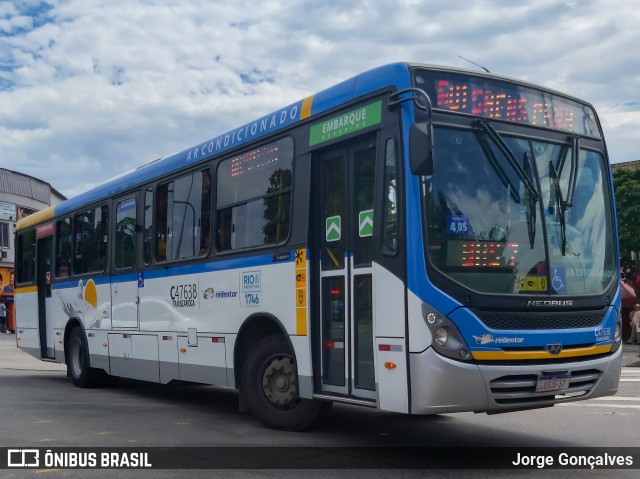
point(90, 89)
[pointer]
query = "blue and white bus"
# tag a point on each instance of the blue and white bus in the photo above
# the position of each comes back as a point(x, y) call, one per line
point(415, 239)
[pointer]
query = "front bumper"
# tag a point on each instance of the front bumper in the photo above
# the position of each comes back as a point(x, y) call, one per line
point(441, 385)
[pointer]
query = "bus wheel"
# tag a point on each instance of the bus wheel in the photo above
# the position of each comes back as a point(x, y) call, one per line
point(78, 366)
point(270, 382)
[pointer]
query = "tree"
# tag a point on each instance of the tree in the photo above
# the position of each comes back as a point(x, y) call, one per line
point(626, 184)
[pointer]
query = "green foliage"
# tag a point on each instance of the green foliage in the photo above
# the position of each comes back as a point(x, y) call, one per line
point(626, 184)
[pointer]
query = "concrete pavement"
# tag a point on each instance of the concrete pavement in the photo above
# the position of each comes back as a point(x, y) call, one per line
point(13, 358)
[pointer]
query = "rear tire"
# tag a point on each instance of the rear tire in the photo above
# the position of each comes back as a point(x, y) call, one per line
point(78, 364)
point(270, 383)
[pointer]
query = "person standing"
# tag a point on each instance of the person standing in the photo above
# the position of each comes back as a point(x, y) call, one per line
point(634, 315)
point(637, 329)
point(3, 317)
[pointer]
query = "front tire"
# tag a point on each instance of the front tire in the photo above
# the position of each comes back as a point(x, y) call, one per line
point(78, 364)
point(270, 382)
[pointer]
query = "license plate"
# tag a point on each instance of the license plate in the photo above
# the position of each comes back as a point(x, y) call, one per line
point(552, 382)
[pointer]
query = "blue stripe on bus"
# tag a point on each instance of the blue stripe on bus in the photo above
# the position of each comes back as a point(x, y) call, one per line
point(199, 268)
point(182, 270)
point(124, 278)
point(98, 280)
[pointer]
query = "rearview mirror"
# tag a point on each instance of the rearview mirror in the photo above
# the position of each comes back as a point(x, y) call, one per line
point(421, 149)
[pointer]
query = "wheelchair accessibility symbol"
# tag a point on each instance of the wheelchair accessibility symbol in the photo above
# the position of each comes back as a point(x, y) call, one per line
point(559, 280)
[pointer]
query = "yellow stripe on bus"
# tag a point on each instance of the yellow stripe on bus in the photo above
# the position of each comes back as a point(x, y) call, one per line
point(519, 355)
point(26, 289)
point(305, 110)
point(36, 217)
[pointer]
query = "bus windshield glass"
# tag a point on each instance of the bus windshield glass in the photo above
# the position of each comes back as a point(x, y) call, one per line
point(507, 101)
point(491, 233)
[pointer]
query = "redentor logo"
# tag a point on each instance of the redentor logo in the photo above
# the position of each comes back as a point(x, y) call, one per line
point(23, 458)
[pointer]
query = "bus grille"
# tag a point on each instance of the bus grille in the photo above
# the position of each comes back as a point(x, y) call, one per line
point(541, 320)
point(520, 390)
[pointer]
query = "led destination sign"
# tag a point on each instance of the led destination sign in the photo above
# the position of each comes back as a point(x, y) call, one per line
point(501, 100)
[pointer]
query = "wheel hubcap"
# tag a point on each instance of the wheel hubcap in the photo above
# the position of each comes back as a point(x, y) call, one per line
point(278, 382)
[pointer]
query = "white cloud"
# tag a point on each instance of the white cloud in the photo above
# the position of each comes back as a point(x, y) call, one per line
point(92, 88)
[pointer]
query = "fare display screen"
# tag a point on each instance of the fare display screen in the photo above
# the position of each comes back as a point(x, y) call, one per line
point(470, 254)
point(254, 159)
point(502, 100)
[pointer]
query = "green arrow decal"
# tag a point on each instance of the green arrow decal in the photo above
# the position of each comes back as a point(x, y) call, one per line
point(333, 228)
point(365, 223)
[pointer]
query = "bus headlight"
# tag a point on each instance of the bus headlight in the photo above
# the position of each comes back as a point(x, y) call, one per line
point(446, 339)
point(441, 336)
point(617, 338)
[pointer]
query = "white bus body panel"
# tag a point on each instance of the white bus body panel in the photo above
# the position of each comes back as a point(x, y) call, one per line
point(205, 362)
point(27, 323)
point(27, 304)
point(390, 344)
point(213, 303)
point(124, 308)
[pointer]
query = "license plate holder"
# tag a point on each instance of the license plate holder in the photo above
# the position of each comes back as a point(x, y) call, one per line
point(552, 382)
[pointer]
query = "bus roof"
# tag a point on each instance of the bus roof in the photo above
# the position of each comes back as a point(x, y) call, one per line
point(396, 74)
point(362, 84)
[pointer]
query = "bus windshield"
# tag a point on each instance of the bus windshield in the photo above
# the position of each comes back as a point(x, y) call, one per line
point(488, 230)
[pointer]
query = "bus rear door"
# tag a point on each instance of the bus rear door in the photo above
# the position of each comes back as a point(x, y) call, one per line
point(44, 275)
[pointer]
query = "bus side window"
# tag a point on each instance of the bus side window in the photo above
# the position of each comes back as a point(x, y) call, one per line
point(27, 253)
point(390, 207)
point(205, 221)
point(91, 240)
point(125, 237)
point(148, 226)
point(63, 248)
point(254, 196)
point(102, 237)
point(183, 209)
point(162, 228)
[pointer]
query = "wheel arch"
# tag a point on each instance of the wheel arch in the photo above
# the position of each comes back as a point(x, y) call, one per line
point(255, 328)
point(71, 324)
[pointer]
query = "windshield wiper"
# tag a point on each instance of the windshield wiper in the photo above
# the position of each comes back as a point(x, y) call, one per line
point(506, 151)
point(573, 174)
point(525, 176)
point(531, 204)
point(573, 171)
point(560, 207)
point(564, 204)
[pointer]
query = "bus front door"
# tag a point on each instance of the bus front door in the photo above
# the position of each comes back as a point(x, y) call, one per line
point(344, 196)
point(45, 320)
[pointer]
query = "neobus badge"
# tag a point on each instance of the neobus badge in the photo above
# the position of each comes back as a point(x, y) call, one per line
point(550, 303)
